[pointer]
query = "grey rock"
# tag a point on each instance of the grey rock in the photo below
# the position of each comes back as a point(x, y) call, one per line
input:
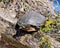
point(45, 7)
point(8, 15)
point(29, 41)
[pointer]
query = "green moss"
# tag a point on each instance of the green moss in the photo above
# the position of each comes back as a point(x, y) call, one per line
point(49, 25)
point(45, 42)
point(45, 28)
point(48, 22)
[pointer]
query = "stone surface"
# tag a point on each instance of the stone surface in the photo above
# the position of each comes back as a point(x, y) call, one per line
point(29, 41)
point(9, 42)
point(10, 10)
point(44, 7)
point(8, 15)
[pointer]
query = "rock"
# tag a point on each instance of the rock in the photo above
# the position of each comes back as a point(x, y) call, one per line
point(9, 42)
point(29, 41)
point(10, 10)
point(6, 28)
point(58, 32)
point(0, 36)
point(8, 15)
point(10, 31)
point(44, 7)
point(54, 43)
point(3, 26)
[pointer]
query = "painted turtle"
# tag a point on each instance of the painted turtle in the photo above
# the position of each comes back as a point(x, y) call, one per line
point(31, 21)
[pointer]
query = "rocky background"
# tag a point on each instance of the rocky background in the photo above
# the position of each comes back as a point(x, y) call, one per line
point(47, 37)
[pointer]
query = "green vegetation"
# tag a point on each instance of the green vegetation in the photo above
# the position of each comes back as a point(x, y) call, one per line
point(51, 24)
point(47, 26)
point(45, 42)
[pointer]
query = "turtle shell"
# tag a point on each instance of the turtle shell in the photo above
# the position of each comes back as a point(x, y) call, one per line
point(32, 18)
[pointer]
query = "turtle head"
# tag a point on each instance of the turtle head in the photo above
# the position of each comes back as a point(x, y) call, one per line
point(29, 28)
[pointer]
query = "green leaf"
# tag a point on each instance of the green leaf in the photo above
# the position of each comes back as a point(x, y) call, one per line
point(48, 22)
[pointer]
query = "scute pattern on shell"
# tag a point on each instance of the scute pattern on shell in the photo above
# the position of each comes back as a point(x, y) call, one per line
point(32, 18)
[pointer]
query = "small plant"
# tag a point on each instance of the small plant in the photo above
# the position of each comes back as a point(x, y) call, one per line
point(47, 26)
point(50, 24)
point(45, 42)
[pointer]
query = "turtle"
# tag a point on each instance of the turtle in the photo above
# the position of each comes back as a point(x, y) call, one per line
point(31, 21)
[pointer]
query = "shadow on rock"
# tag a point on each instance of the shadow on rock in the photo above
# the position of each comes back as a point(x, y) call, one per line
point(20, 32)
